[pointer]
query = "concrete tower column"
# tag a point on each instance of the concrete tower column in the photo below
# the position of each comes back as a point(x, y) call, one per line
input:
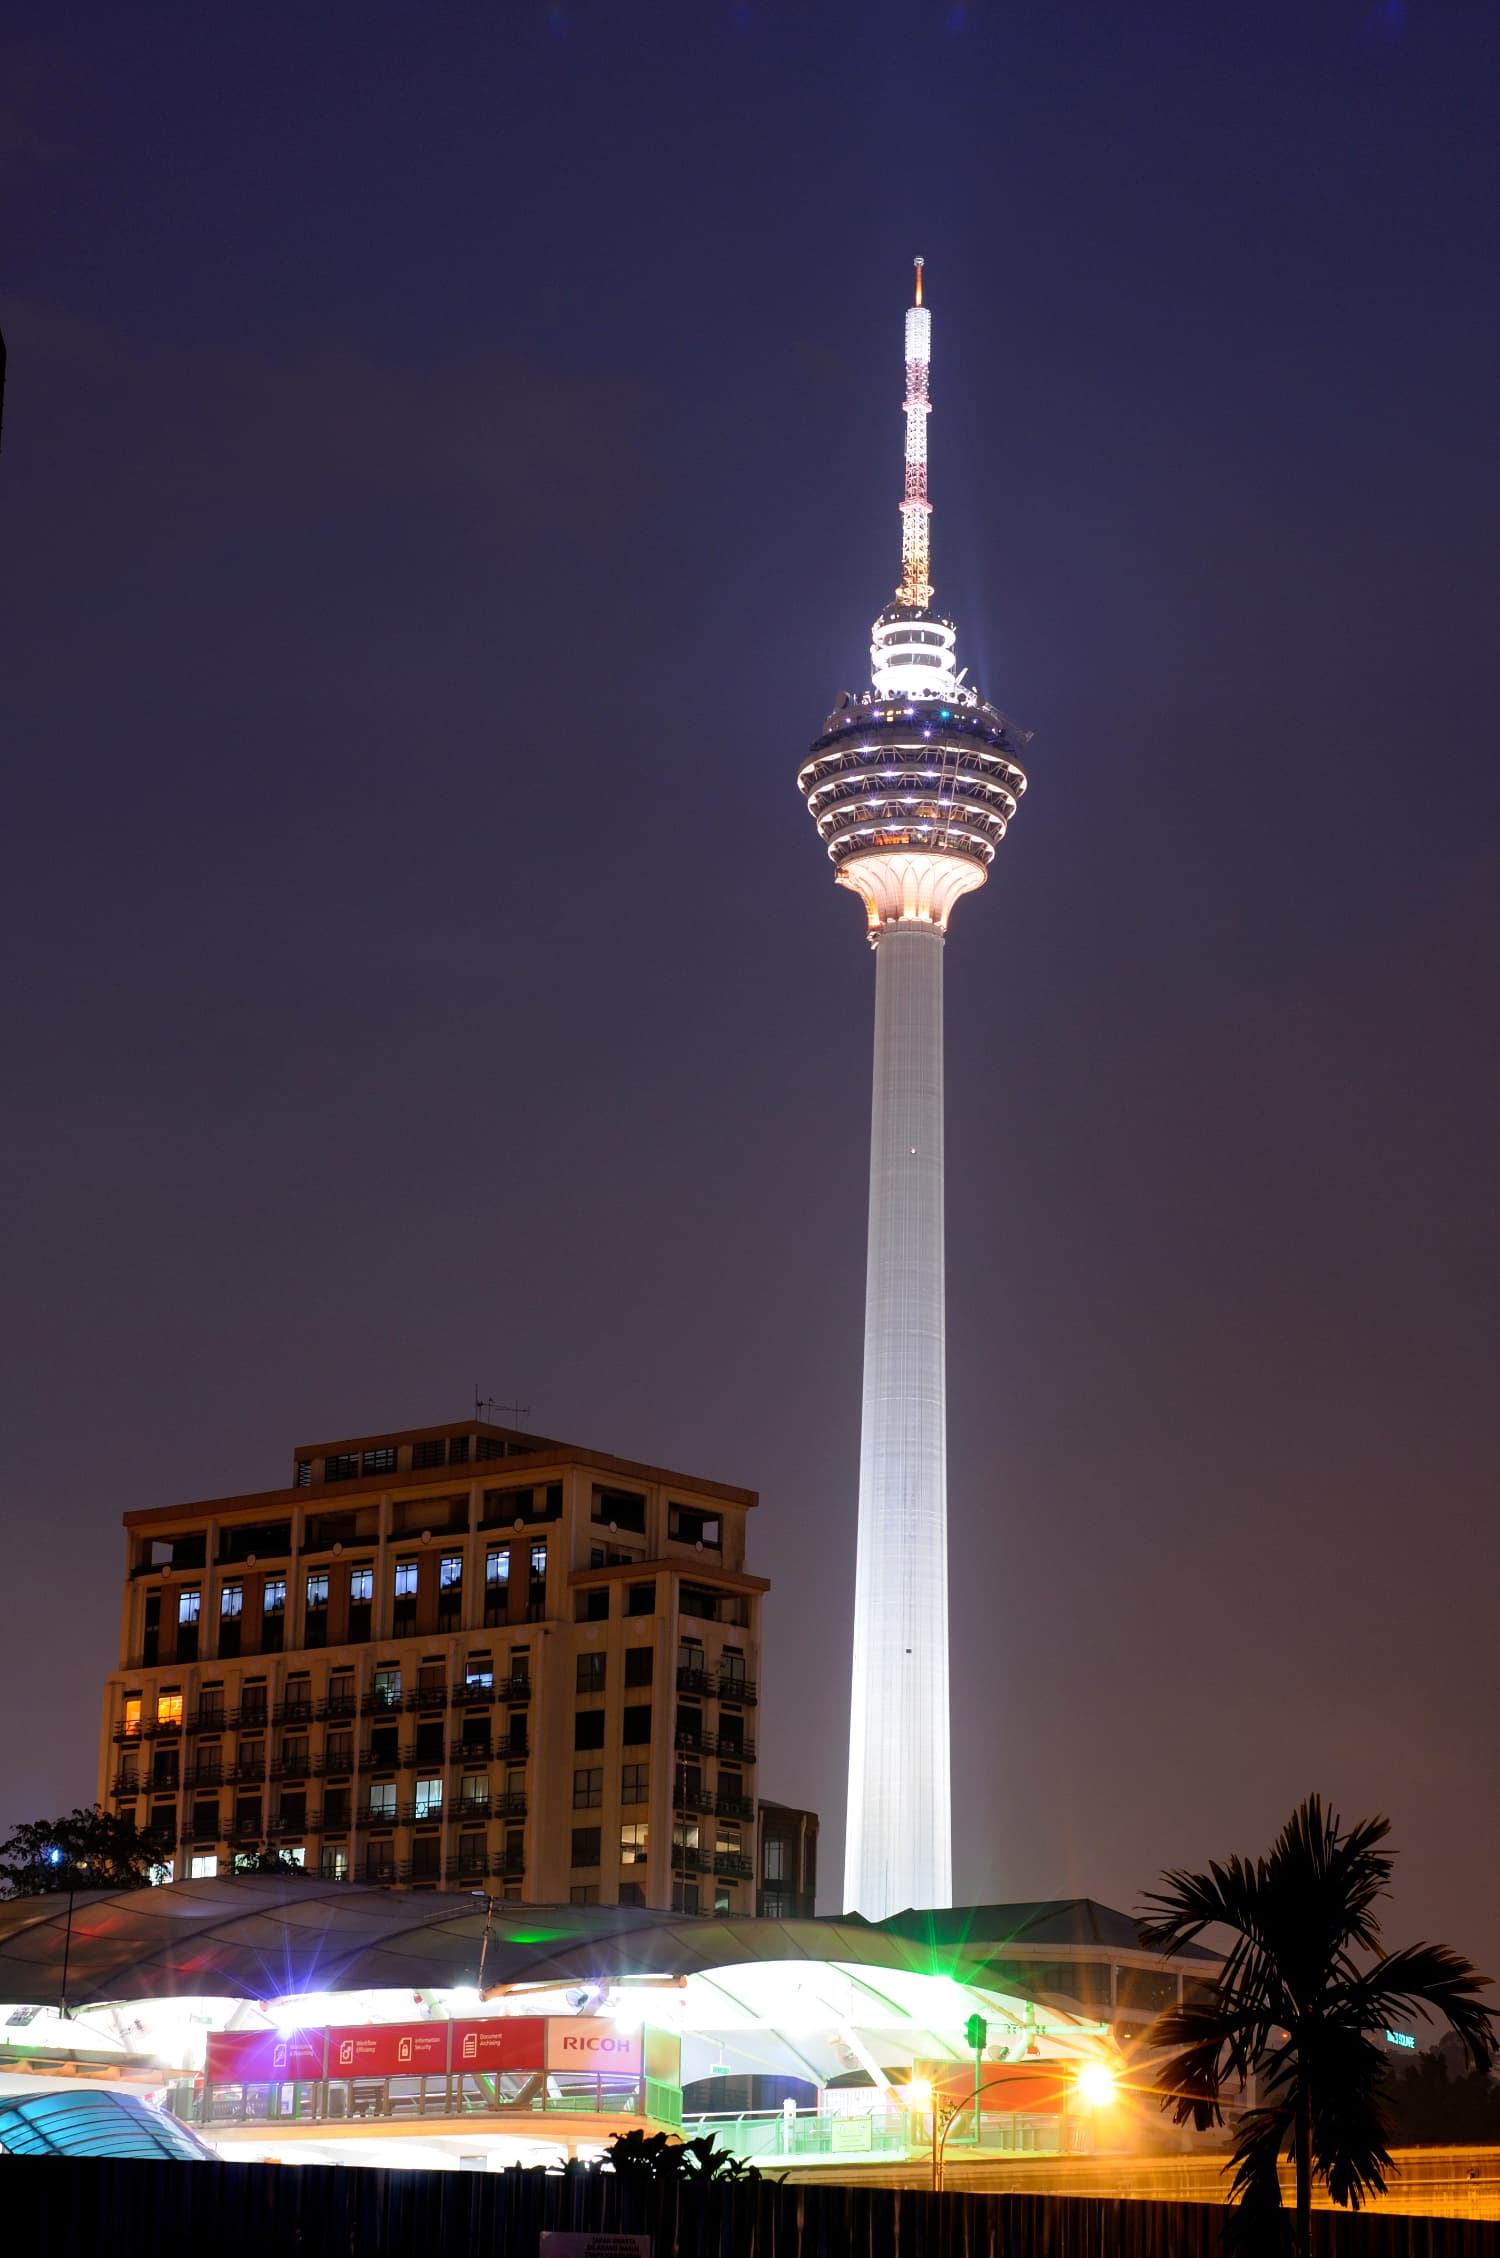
point(899, 1846)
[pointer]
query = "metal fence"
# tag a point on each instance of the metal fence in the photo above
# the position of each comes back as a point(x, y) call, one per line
point(171, 2210)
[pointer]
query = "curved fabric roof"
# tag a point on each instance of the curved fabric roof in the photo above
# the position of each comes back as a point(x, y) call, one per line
point(263, 1936)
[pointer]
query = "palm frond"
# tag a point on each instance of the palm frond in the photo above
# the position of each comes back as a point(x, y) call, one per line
point(1431, 1981)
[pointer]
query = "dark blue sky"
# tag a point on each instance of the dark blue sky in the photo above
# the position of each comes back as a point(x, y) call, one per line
point(451, 463)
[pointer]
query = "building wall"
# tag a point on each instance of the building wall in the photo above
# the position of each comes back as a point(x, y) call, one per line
point(449, 1659)
point(787, 1875)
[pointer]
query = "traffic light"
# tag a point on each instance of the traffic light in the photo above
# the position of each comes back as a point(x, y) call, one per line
point(977, 2032)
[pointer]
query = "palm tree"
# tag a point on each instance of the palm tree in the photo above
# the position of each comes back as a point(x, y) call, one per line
point(1301, 2003)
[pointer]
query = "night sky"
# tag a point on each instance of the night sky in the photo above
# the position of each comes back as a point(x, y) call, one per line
point(450, 466)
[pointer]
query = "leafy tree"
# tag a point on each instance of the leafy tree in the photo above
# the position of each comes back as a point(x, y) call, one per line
point(1302, 2004)
point(657, 2156)
point(1427, 2105)
point(99, 1851)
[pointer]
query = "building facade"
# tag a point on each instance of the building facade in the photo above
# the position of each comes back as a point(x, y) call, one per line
point(451, 1657)
point(788, 1863)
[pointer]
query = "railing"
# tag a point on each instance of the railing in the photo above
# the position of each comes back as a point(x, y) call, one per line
point(694, 1799)
point(444, 2094)
point(736, 1689)
point(691, 1680)
point(298, 1711)
point(734, 1806)
point(734, 1865)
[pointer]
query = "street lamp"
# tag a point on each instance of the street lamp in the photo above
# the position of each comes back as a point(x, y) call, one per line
point(55, 1856)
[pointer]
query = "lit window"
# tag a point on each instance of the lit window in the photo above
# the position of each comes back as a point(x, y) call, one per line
point(633, 1838)
point(336, 1862)
point(429, 1801)
point(231, 1599)
point(450, 1572)
point(387, 1686)
point(202, 1866)
point(131, 1722)
point(538, 1561)
point(317, 1588)
point(169, 1708)
point(188, 1600)
point(362, 1585)
point(497, 1565)
point(382, 1799)
point(406, 1579)
point(275, 1595)
point(479, 1670)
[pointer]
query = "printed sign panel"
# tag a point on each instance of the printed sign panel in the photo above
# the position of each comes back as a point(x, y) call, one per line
point(568, 2244)
point(263, 2057)
point(388, 2050)
point(847, 2134)
point(592, 2043)
point(501, 2042)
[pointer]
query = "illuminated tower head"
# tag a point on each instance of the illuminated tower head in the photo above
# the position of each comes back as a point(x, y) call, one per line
point(913, 783)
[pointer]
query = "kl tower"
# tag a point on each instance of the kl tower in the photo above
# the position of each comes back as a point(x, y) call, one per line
point(911, 785)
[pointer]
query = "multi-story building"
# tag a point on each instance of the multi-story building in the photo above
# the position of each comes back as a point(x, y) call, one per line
point(788, 1868)
point(450, 1657)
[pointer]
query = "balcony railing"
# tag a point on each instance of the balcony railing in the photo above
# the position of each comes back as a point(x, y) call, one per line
point(734, 1865)
point(736, 1689)
point(734, 1806)
point(691, 1680)
point(694, 1799)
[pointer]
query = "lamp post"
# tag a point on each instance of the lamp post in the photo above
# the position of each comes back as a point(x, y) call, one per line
point(1098, 2089)
point(58, 1857)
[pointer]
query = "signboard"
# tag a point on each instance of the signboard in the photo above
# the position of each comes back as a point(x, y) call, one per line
point(570, 2245)
point(592, 2043)
point(388, 2050)
point(263, 2057)
point(1401, 2038)
point(846, 2134)
point(500, 2042)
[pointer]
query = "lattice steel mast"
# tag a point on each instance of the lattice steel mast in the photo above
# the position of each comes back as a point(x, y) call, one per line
point(912, 785)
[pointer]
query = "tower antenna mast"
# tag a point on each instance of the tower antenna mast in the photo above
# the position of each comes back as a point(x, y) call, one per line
point(916, 510)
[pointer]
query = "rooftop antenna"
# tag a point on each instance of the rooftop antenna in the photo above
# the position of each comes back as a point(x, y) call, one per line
point(485, 1408)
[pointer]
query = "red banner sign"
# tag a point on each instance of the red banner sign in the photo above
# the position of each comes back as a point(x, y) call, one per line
point(388, 2050)
point(501, 2042)
point(264, 2057)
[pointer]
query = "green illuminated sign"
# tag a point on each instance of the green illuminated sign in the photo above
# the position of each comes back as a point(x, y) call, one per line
point(1400, 2038)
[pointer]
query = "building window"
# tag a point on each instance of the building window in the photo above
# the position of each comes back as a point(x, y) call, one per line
point(635, 1784)
point(386, 1685)
point(231, 1607)
point(637, 1724)
point(690, 1527)
point(188, 1602)
point(253, 1700)
point(273, 1600)
point(381, 1461)
point(341, 1466)
point(382, 1799)
point(592, 1606)
point(361, 1586)
point(206, 1821)
point(474, 1790)
point(685, 1897)
point(584, 1893)
point(585, 1846)
point(638, 1665)
point(496, 1585)
point(620, 1509)
point(169, 1706)
point(632, 1893)
point(405, 1616)
point(429, 1453)
point(130, 1721)
point(536, 1590)
point(429, 1798)
point(588, 1728)
point(640, 1599)
point(450, 1590)
point(336, 1862)
point(317, 1588)
point(304, 1473)
point(479, 1670)
point(588, 1788)
point(773, 1860)
point(591, 1673)
point(633, 1841)
point(458, 1450)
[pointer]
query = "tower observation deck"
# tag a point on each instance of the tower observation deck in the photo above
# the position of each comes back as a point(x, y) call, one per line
point(912, 784)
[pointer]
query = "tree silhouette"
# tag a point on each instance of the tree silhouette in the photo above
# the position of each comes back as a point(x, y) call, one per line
point(1301, 2004)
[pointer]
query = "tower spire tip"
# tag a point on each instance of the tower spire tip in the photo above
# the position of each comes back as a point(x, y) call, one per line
point(918, 264)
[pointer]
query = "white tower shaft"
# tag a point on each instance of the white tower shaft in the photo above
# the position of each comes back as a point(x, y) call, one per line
point(899, 1844)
